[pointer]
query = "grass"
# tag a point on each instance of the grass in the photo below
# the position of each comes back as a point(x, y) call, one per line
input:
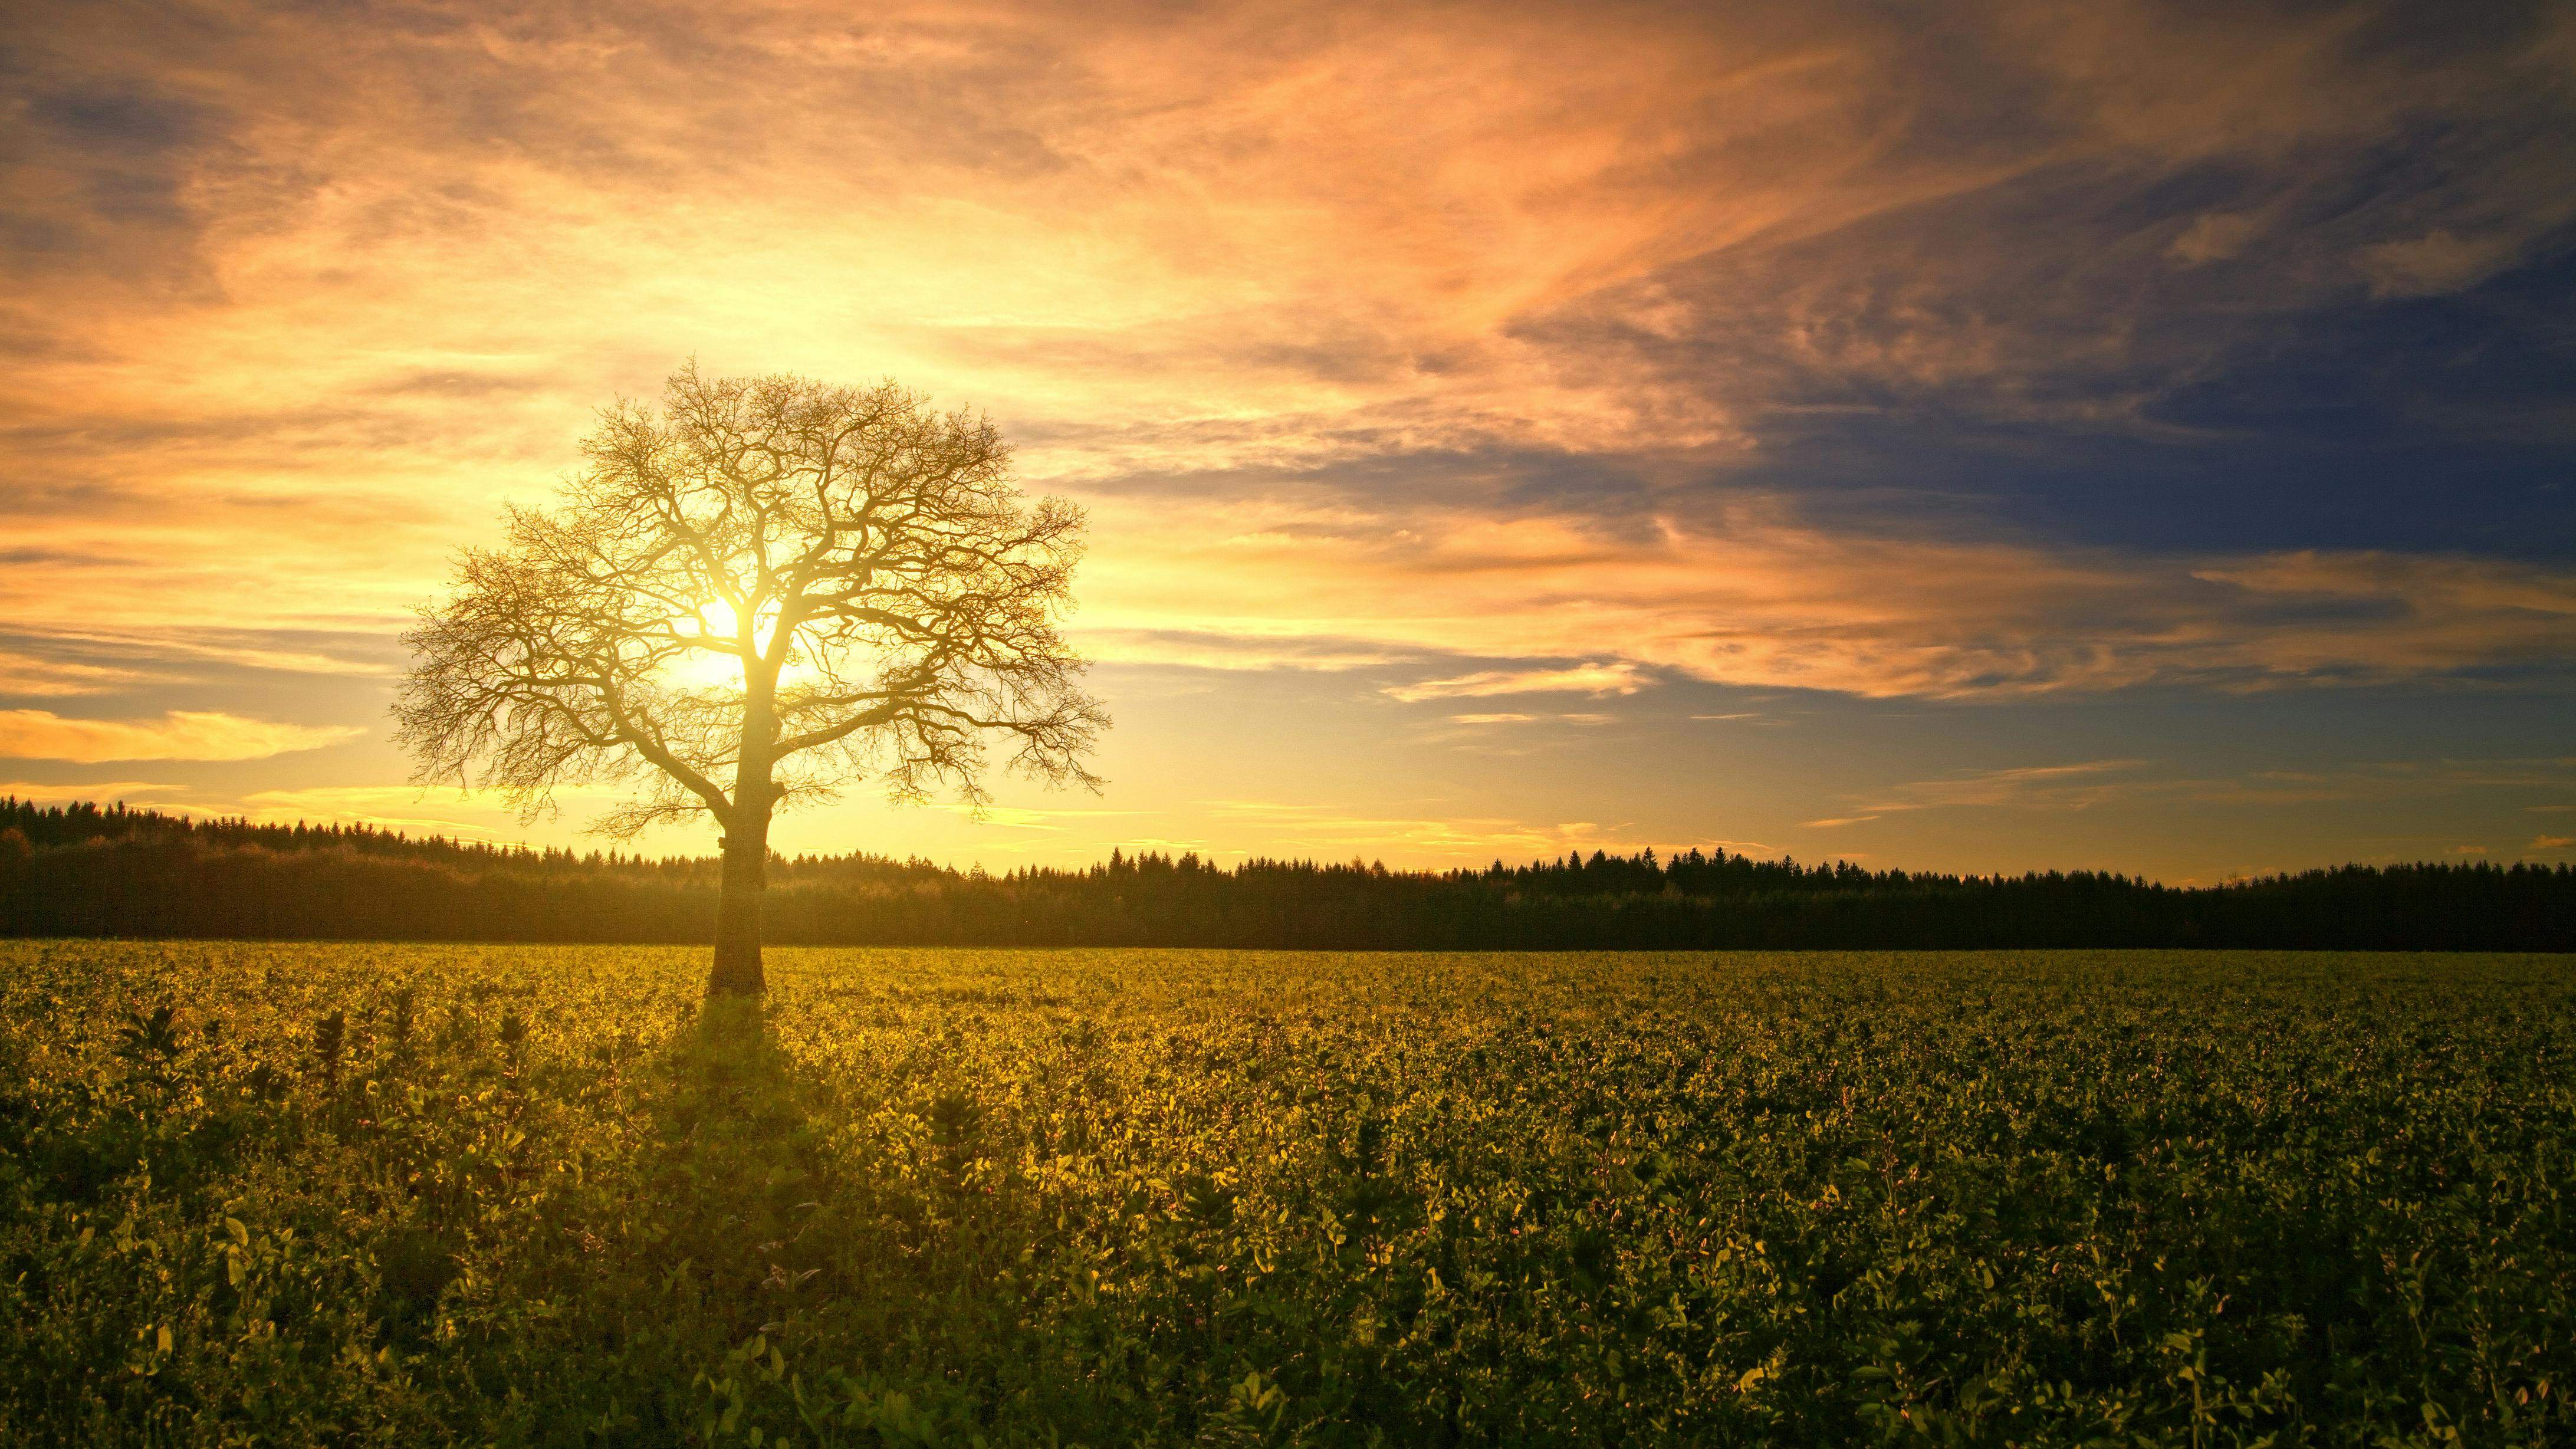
point(291, 1194)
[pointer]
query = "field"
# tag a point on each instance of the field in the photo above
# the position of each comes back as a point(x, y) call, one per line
point(288, 1194)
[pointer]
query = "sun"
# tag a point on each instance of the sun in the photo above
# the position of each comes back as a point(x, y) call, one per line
point(715, 616)
point(718, 622)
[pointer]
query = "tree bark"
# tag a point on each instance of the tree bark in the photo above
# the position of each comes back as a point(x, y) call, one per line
point(737, 969)
point(746, 859)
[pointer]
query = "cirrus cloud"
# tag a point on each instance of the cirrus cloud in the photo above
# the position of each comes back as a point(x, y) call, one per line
point(1747, 591)
point(1615, 677)
point(36, 734)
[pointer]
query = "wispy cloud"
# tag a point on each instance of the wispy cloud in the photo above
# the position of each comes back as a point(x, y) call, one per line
point(1023, 817)
point(1332, 833)
point(1572, 719)
point(1618, 677)
point(30, 674)
point(2053, 787)
point(81, 658)
point(1285, 648)
point(35, 734)
point(438, 811)
point(2037, 787)
point(1745, 591)
point(101, 791)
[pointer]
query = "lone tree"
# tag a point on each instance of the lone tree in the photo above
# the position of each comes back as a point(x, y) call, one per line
point(764, 592)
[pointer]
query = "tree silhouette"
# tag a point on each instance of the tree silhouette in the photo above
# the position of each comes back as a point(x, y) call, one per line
point(766, 591)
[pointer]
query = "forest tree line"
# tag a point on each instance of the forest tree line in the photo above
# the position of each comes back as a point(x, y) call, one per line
point(84, 870)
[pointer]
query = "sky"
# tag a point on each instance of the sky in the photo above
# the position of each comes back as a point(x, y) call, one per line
point(1976, 437)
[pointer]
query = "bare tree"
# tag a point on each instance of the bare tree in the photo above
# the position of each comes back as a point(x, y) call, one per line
point(766, 591)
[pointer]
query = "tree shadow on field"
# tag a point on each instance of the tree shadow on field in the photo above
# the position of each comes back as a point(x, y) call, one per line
point(778, 1280)
point(642, 1302)
point(733, 1166)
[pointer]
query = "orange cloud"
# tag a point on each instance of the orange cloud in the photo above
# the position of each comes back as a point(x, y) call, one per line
point(1617, 677)
point(1180, 255)
point(1248, 235)
point(1329, 832)
point(32, 674)
point(100, 791)
point(1754, 596)
point(35, 734)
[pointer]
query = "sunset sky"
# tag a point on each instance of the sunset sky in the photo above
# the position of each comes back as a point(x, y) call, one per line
point(1974, 437)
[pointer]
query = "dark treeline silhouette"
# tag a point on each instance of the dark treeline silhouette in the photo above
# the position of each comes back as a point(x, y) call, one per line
point(81, 870)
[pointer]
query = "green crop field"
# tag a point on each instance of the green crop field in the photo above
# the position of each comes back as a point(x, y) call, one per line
point(285, 1194)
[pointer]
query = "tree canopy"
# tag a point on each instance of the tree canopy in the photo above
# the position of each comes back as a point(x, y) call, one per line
point(753, 596)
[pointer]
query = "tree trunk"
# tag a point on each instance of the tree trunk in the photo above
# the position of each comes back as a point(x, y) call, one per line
point(746, 858)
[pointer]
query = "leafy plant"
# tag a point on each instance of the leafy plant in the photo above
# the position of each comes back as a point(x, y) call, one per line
point(1094, 1197)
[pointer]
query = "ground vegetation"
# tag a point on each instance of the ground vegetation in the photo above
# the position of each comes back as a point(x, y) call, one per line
point(301, 1194)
